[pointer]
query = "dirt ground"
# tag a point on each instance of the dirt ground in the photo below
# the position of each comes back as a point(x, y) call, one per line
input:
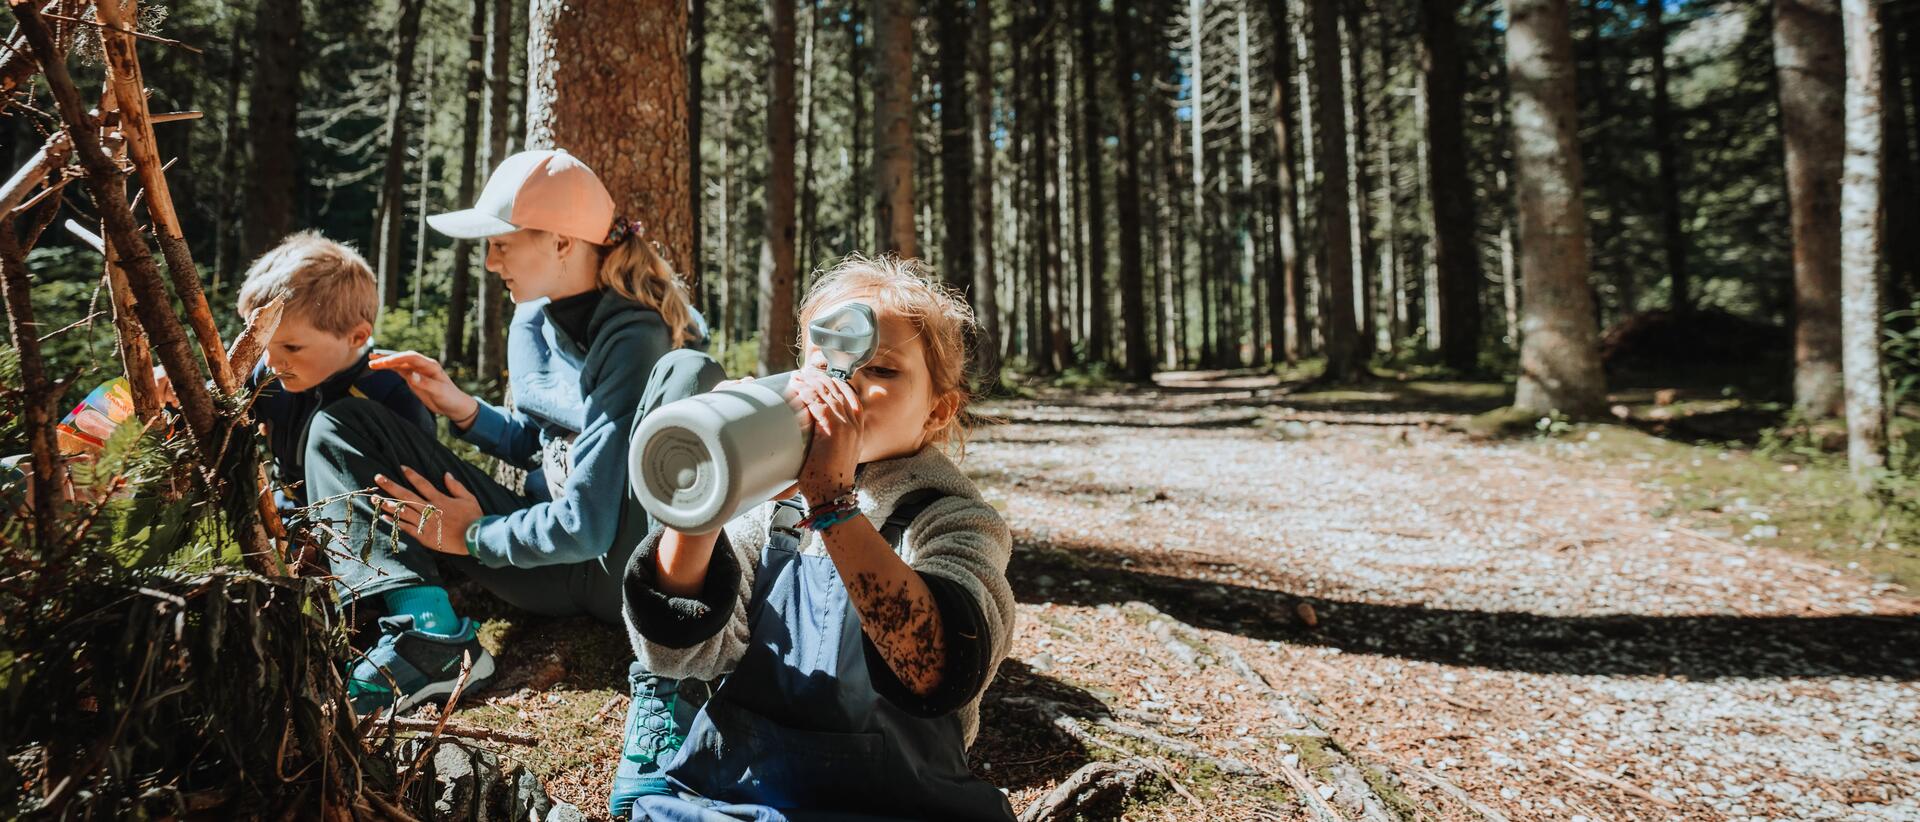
point(1335, 606)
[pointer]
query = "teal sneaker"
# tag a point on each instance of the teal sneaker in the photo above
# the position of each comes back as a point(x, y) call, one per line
point(657, 720)
point(407, 667)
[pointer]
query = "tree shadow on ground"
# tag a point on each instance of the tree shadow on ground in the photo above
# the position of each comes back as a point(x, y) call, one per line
point(1018, 747)
point(1695, 647)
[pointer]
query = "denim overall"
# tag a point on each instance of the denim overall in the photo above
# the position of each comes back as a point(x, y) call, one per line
point(797, 732)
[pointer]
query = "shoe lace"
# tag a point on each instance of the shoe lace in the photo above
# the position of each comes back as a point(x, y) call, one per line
point(650, 730)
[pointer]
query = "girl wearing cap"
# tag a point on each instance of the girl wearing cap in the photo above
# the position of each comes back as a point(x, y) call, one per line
point(597, 310)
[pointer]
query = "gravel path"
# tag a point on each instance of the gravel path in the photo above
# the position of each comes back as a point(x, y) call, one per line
point(1420, 624)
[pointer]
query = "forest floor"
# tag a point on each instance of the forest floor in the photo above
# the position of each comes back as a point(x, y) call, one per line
point(1338, 605)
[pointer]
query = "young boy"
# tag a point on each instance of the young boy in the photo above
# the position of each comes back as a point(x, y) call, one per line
point(319, 353)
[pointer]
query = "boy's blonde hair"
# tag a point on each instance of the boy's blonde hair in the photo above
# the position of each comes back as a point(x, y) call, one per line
point(327, 283)
point(906, 288)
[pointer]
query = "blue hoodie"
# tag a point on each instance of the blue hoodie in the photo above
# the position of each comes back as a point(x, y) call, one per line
point(573, 407)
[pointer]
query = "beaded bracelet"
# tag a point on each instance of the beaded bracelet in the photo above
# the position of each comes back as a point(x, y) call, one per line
point(823, 520)
point(832, 512)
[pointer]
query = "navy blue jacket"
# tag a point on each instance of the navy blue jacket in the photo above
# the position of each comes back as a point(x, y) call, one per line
point(287, 414)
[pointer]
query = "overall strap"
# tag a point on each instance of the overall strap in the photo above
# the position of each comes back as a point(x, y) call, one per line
point(905, 511)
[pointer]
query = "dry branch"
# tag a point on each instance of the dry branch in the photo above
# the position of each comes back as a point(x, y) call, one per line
point(252, 342)
point(123, 74)
point(52, 155)
point(151, 303)
point(48, 487)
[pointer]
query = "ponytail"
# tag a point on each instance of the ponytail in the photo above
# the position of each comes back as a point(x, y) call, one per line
point(635, 270)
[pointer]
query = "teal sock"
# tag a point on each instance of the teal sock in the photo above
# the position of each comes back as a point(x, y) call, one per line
point(427, 604)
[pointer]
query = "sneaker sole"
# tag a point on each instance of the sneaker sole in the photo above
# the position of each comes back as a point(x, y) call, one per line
point(479, 677)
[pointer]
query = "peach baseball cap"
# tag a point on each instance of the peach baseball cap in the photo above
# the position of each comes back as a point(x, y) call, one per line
point(547, 189)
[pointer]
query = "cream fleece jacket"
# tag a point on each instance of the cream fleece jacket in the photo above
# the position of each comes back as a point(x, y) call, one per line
point(959, 538)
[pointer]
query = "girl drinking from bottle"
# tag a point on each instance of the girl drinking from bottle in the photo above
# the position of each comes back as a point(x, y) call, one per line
point(853, 633)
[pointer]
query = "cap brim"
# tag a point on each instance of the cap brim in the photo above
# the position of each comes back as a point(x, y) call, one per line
point(470, 225)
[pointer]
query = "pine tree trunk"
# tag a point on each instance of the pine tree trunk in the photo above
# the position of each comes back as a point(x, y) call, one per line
point(1346, 358)
point(1366, 288)
point(1285, 312)
point(696, 62)
point(272, 109)
point(1559, 348)
point(893, 116)
point(1809, 55)
point(1248, 205)
point(1457, 258)
point(809, 148)
point(388, 224)
point(1861, 236)
point(492, 316)
point(583, 54)
point(951, 23)
point(1093, 138)
point(1673, 234)
point(986, 304)
point(777, 329)
point(859, 43)
point(453, 348)
point(1133, 307)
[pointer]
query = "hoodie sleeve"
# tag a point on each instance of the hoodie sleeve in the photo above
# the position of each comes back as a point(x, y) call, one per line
point(580, 523)
point(961, 546)
point(504, 433)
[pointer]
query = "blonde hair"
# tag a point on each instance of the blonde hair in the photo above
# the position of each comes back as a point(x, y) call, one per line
point(326, 282)
point(634, 270)
point(939, 313)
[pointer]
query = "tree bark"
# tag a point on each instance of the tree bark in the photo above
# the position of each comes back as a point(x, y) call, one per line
point(1457, 258)
point(952, 22)
point(272, 111)
point(583, 54)
point(391, 219)
point(1673, 233)
point(893, 116)
point(1559, 350)
point(696, 85)
point(1861, 237)
point(1346, 359)
point(777, 332)
point(453, 347)
point(1809, 55)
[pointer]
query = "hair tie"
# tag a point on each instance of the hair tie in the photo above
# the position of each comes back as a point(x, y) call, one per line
point(622, 229)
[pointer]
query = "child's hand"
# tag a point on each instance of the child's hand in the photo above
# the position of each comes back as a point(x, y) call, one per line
point(430, 383)
point(439, 521)
point(831, 411)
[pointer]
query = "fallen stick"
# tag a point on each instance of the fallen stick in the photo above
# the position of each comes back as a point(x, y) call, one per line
point(1056, 713)
point(1596, 776)
point(466, 732)
point(1459, 795)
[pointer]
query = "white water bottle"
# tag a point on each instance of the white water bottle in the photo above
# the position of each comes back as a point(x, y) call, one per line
point(698, 462)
